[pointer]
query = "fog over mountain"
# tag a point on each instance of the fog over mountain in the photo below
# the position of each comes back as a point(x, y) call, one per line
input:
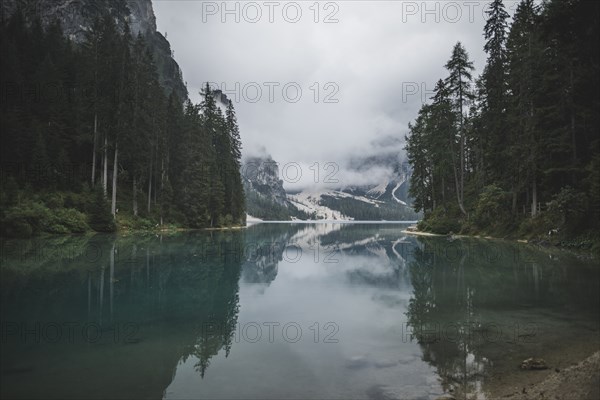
point(378, 55)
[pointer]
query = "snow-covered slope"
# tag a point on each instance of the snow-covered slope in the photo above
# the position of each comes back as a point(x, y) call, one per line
point(309, 202)
point(378, 202)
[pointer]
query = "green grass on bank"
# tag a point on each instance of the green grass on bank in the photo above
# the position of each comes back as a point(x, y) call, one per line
point(555, 226)
point(24, 213)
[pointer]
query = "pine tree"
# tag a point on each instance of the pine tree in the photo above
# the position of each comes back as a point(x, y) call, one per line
point(214, 127)
point(524, 51)
point(442, 144)
point(236, 189)
point(420, 161)
point(458, 84)
point(494, 85)
point(194, 184)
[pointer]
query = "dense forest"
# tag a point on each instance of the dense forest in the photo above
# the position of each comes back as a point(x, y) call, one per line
point(515, 151)
point(362, 211)
point(91, 140)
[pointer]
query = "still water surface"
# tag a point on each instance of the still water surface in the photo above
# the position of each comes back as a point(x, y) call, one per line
point(286, 311)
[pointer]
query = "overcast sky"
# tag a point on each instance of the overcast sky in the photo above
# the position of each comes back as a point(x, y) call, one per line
point(375, 58)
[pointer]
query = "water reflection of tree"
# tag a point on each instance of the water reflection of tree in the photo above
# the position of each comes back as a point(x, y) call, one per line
point(218, 330)
point(162, 285)
point(458, 286)
point(444, 312)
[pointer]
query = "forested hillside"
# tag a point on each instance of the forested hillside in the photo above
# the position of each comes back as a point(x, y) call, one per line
point(515, 150)
point(90, 138)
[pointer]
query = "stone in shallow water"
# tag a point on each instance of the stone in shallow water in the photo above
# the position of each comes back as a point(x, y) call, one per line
point(378, 392)
point(357, 362)
point(407, 359)
point(534, 363)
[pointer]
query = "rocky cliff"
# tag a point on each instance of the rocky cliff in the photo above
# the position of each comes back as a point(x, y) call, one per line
point(76, 17)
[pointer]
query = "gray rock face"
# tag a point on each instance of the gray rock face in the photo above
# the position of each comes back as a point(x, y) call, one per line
point(77, 16)
point(261, 175)
point(142, 17)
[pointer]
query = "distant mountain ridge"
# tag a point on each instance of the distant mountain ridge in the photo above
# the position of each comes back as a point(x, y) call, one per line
point(387, 199)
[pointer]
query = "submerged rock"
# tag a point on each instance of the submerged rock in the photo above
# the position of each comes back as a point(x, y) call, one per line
point(534, 363)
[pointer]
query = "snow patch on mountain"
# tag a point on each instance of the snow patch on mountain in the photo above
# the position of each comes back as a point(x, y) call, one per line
point(341, 195)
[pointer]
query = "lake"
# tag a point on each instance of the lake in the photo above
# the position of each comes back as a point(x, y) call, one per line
point(348, 311)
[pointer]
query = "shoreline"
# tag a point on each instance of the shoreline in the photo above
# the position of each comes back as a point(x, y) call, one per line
point(411, 230)
point(419, 233)
point(532, 242)
point(127, 232)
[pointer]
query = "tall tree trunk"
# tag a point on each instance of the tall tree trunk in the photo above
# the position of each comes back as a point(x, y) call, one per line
point(155, 194)
point(457, 184)
point(514, 200)
point(573, 140)
point(102, 161)
point(114, 182)
point(462, 165)
point(95, 149)
point(162, 187)
point(432, 192)
point(534, 198)
point(462, 149)
point(481, 166)
point(443, 191)
point(135, 203)
point(459, 199)
point(105, 165)
point(95, 113)
point(150, 183)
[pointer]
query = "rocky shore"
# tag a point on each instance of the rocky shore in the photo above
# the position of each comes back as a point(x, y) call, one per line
point(578, 382)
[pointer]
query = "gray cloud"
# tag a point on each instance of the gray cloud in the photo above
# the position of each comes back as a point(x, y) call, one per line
point(376, 54)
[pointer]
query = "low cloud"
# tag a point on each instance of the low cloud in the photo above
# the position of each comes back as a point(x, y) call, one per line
point(362, 79)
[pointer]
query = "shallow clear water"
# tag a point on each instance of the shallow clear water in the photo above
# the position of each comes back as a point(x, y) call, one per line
point(286, 311)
